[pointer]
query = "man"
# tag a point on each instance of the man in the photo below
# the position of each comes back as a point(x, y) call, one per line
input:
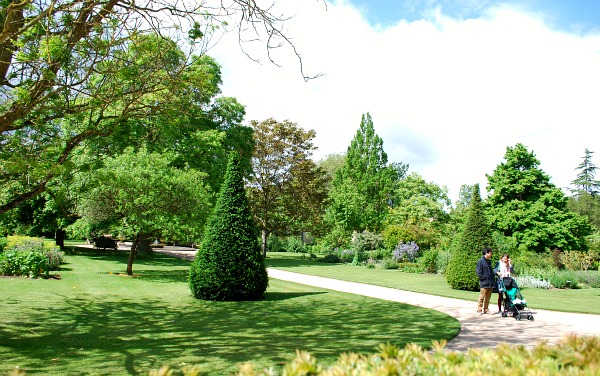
point(486, 281)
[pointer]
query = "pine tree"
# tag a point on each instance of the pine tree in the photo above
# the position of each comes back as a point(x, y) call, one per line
point(585, 182)
point(229, 265)
point(476, 235)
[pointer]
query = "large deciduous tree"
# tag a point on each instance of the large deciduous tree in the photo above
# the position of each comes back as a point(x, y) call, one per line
point(72, 71)
point(286, 189)
point(141, 196)
point(475, 235)
point(525, 205)
point(362, 189)
point(229, 265)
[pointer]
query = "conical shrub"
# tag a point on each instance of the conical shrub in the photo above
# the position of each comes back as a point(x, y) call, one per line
point(476, 235)
point(229, 265)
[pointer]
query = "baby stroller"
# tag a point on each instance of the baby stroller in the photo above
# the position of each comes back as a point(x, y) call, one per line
point(514, 303)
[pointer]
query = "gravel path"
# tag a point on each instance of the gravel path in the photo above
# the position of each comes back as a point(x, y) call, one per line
point(476, 331)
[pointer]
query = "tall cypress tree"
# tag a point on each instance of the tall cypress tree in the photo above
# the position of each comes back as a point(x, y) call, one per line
point(229, 265)
point(476, 235)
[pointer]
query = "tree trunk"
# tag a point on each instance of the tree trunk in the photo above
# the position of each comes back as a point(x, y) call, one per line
point(132, 254)
point(139, 248)
point(263, 244)
point(59, 236)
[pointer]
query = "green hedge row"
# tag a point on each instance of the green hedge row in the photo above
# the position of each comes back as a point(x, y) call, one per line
point(573, 356)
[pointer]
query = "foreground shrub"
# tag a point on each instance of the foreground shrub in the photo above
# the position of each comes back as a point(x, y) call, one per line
point(574, 356)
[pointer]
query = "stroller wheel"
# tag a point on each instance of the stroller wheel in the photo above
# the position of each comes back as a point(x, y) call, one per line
point(530, 317)
point(504, 314)
point(518, 317)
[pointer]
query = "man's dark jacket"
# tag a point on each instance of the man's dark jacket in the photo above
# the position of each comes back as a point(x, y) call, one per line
point(485, 273)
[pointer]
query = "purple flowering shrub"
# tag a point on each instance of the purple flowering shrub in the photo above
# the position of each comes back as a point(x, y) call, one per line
point(405, 252)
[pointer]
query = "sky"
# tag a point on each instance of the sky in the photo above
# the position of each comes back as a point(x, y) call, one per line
point(449, 84)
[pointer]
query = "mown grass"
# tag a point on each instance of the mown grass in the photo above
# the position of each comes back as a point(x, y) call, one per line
point(96, 321)
point(586, 300)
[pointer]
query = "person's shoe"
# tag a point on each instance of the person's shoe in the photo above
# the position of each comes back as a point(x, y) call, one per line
point(487, 312)
point(479, 313)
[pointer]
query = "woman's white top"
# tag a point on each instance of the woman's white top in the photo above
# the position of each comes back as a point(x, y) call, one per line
point(504, 270)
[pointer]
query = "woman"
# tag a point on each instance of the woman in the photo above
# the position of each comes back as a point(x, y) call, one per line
point(502, 269)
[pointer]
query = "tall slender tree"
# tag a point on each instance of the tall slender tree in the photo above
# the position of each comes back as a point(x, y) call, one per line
point(229, 265)
point(476, 235)
point(361, 190)
point(586, 181)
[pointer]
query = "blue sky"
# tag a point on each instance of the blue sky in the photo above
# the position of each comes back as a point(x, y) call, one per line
point(449, 84)
point(567, 15)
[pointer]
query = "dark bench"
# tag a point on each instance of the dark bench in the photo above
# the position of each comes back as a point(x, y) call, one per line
point(104, 243)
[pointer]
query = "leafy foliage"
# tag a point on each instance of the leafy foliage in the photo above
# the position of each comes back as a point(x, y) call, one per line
point(140, 195)
point(229, 265)
point(476, 235)
point(71, 74)
point(573, 355)
point(524, 205)
point(361, 189)
point(27, 256)
point(287, 189)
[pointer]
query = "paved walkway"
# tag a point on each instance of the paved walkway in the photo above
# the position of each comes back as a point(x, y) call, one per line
point(476, 331)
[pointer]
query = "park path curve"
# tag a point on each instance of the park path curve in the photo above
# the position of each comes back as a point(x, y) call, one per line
point(484, 331)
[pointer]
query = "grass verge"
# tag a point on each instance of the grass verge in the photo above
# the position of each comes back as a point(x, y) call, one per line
point(577, 300)
point(95, 320)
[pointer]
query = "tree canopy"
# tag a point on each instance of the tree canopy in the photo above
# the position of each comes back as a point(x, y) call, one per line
point(286, 189)
point(72, 71)
point(362, 189)
point(525, 205)
point(139, 195)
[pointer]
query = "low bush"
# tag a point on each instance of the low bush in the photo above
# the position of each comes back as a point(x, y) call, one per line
point(23, 263)
point(294, 244)
point(411, 267)
point(330, 259)
point(345, 255)
point(3, 242)
point(379, 254)
point(564, 280)
point(428, 260)
point(27, 256)
point(590, 278)
point(576, 356)
point(532, 282)
point(387, 264)
point(406, 252)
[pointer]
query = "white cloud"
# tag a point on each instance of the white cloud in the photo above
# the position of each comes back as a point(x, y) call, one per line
point(447, 96)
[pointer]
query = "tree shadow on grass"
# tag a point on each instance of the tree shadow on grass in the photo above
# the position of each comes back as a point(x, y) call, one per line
point(108, 334)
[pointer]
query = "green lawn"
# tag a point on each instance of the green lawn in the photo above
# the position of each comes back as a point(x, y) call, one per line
point(585, 300)
point(94, 320)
